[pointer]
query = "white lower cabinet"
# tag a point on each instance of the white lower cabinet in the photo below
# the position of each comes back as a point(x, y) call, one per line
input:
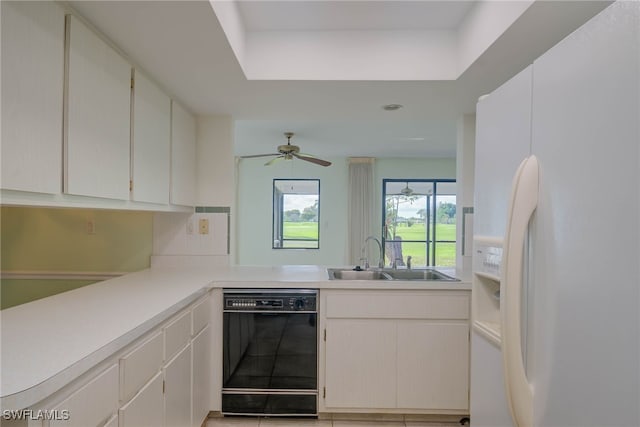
point(92, 404)
point(139, 386)
point(113, 422)
point(139, 365)
point(145, 409)
point(395, 351)
point(433, 365)
point(177, 390)
point(359, 357)
point(201, 385)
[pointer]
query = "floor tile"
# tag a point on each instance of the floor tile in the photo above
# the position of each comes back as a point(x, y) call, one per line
point(430, 424)
point(233, 422)
point(372, 423)
point(369, 417)
point(295, 422)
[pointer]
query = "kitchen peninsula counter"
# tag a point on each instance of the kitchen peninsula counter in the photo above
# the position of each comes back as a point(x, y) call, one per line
point(47, 343)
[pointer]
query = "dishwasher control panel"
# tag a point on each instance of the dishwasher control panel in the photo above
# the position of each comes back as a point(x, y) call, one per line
point(296, 300)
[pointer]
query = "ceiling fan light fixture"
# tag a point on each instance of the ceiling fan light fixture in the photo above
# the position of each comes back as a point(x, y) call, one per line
point(406, 191)
point(392, 107)
point(288, 152)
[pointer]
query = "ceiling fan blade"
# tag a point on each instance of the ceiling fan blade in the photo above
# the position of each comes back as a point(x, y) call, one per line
point(272, 161)
point(259, 155)
point(311, 159)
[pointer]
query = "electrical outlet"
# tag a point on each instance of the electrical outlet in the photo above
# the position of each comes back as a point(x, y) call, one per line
point(189, 226)
point(204, 226)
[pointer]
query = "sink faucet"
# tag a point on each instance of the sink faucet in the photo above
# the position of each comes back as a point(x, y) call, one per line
point(364, 246)
point(409, 262)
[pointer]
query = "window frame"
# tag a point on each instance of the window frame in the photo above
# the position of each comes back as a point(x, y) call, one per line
point(431, 217)
point(280, 217)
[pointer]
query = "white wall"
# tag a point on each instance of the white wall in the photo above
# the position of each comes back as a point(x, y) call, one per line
point(483, 25)
point(255, 210)
point(465, 170)
point(254, 205)
point(350, 55)
point(215, 161)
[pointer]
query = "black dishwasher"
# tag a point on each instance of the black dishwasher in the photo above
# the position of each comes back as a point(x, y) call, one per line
point(270, 347)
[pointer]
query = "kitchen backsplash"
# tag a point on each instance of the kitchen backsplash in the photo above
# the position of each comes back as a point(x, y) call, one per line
point(205, 232)
point(60, 241)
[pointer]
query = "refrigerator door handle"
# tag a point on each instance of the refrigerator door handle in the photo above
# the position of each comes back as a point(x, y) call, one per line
point(523, 202)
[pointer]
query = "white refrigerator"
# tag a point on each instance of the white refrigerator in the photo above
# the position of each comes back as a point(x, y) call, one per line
point(556, 283)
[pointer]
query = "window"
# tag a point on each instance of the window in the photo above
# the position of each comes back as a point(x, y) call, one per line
point(419, 220)
point(296, 213)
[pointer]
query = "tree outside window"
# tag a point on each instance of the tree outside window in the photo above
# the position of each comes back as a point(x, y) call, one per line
point(419, 221)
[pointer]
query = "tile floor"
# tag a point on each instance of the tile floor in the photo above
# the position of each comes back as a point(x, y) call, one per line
point(287, 422)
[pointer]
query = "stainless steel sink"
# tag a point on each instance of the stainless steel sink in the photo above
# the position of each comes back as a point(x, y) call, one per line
point(389, 274)
point(344, 274)
point(420, 275)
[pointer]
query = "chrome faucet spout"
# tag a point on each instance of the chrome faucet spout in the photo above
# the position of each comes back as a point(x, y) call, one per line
point(364, 245)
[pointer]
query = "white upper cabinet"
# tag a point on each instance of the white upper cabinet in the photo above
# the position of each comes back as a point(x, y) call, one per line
point(183, 156)
point(97, 133)
point(150, 144)
point(32, 88)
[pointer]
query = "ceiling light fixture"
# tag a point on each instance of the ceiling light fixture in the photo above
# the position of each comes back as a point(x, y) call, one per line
point(391, 107)
point(411, 138)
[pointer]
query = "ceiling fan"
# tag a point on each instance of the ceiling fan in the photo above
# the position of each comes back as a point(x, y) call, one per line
point(288, 152)
point(406, 191)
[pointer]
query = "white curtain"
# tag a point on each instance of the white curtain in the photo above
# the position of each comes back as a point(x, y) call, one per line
point(360, 205)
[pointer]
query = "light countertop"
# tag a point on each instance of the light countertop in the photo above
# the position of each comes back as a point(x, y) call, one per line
point(45, 344)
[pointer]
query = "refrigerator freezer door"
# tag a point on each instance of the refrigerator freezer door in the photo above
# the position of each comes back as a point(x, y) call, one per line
point(503, 138)
point(488, 400)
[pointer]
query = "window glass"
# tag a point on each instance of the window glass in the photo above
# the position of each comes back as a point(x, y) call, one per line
point(296, 213)
point(419, 221)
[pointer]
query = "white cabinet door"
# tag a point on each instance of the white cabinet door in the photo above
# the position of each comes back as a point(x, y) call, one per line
point(93, 403)
point(201, 347)
point(140, 364)
point(98, 116)
point(32, 88)
point(360, 360)
point(177, 394)
point(151, 142)
point(113, 422)
point(146, 407)
point(183, 156)
point(433, 365)
point(177, 334)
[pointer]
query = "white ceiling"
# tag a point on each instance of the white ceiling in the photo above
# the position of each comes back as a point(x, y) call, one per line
point(183, 46)
point(322, 15)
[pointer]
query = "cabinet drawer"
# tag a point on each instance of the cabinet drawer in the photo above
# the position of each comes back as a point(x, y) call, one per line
point(397, 305)
point(146, 407)
point(138, 366)
point(177, 335)
point(93, 403)
point(201, 314)
point(113, 422)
